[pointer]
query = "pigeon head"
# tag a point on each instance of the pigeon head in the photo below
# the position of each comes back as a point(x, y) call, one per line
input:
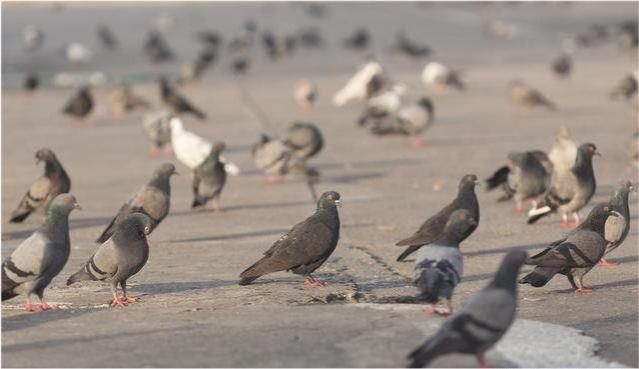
point(62, 205)
point(619, 198)
point(165, 170)
point(468, 182)
point(588, 150)
point(44, 154)
point(140, 224)
point(596, 220)
point(329, 199)
point(506, 276)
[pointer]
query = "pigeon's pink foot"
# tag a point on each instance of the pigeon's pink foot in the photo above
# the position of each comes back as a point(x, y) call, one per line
point(431, 309)
point(31, 308)
point(443, 312)
point(217, 208)
point(82, 122)
point(482, 362)
point(520, 207)
point(583, 290)
point(416, 143)
point(153, 152)
point(570, 224)
point(273, 180)
point(130, 298)
point(464, 257)
point(605, 263)
point(118, 302)
point(45, 306)
point(312, 282)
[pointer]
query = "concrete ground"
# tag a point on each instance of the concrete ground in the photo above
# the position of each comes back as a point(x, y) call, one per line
point(192, 313)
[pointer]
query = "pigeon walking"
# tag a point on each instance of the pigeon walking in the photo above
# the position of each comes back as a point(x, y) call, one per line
point(441, 77)
point(80, 105)
point(153, 199)
point(439, 267)
point(31, 84)
point(432, 229)
point(276, 159)
point(44, 189)
point(39, 258)
point(120, 257)
point(177, 102)
point(209, 179)
point(481, 322)
point(369, 81)
point(305, 247)
point(305, 139)
point(562, 66)
point(157, 126)
point(526, 96)
point(579, 251)
point(569, 193)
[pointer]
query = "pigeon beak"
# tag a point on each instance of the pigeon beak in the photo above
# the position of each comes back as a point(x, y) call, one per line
point(77, 206)
point(338, 203)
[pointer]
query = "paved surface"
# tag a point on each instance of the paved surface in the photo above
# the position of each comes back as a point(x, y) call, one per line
point(193, 313)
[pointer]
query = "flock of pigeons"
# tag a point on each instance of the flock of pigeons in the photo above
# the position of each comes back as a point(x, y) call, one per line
point(561, 181)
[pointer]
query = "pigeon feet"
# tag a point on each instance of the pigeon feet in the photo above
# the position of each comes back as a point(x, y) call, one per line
point(416, 143)
point(119, 302)
point(45, 306)
point(153, 152)
point(570, 225)
point(583, 290)
point(464, 257)
point(520, 207)
point(605, 263)
point(130, 298)
point(482, 361)
point(274, 180)
point(432, 309)
point(31, 308)
point(312, 282)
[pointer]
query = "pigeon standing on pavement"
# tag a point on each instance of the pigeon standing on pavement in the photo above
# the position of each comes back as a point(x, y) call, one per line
point(209, 179)
point(562, 66)
point(366, 83)
point(441, 77)
point(33, 37)
point(525, 177)
point(44, 189)
point(481, 322)
point(276, 159)
point(305, 139)
point(124, 100)
point(432, 228)
point(439, 267)
point(627, 87)
point(157, 126)
point(106, 37)
point(563, 153)
point(31, 83)
point(410, 48)
point(569, 193)
point(360, 39)
point(156, 48)
point(120, 257)
point(177, 102)
point(579, 251)
point(305, 247)
point(39, 258)
point(80, 105)
point(526, 96)
point(409, 120)
point(153, 199)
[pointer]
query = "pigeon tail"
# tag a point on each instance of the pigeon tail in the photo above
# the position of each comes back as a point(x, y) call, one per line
point(198, 201)
point(539, 276)
point(411, 249)
point(8, 287)
point(498, 178)
point(538, 213)
point(80, 275)
point(429, 284)
point(107, 232)
point(18, 217)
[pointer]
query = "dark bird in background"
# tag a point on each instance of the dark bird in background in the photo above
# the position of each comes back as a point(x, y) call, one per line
point(305, 247)
point(410, 48)
point(119, 258)
point(153, 199)
point(31, 83)
point(156, 48)
point(240, 65)
point(562, 65)
point(481, 322)
point(40, 258)
point(210, 39)
point(203, 62)
point(628, 34)
point(310, 37)
point(106, 37)
point(80, 105)
point(432, 228)
point(43, 190)
point(178, 103)
point(571, 191)
point(627, 87)
point(578, 252)
point(209, 179)
point(359, 40)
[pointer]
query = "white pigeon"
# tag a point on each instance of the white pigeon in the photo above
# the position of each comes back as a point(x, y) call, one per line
point(192, 150)
point(358, 86)
point(564, 152)
point(77, 53)
point(33, 37)
point(438, 75)
point(390, 100)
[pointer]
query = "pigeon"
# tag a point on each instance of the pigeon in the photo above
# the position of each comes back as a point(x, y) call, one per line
point(360, 39)
point(39, 258)
point(627, 87)
point(177, 102)
point(157, 127)
point(124, 100)
point(367, 82)
point(432, 228)
point(579, 251)
point(481, 322)
point(204, 61)
point(441, 77)
point(106, 37)
point(210, 39)
point(562, 66)
point(439, 267)
point(619, 203)
point(305, 247)
point(409, 48)
point(241, 65)
point(120, 257)
point(409, 120)
point(209, 179)
point(564, 152)
point(526, 176)
point(33, 37)
point(526, 96)
point(276, 159)
point(77, 53)
point(43, 190)
point(153, 199)
point(31, 83)
point(191, 149)
point(310, 37)
point(80, 105)
point(569, 193)
point(305, 139)
point(305, 94)
point(156, 48)
point(501, 30)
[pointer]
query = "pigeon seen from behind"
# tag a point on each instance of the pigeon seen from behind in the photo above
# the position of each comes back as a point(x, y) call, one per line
point(209, 179)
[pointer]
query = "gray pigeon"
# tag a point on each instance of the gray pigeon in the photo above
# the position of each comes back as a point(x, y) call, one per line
point(157, 126)
point(153, 199)
point(80, 105)
point(432, 229)
point(209, 179)
point(277, 159)
point(39, 258)
point(570, 192)
point(410, 120)
point(120, 257)
point(627, 87)
point(526, 96)
point(439, 267)
point(481, 322)
point(580, 250)
point(562, 65)
point(305, 139)
point(44, 189)
point(524, 178)
point(305, 247)
point(615, 232)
